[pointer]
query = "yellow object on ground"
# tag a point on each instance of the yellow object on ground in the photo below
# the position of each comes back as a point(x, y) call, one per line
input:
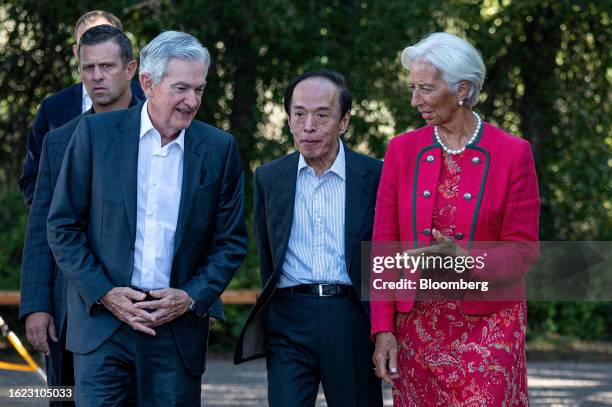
point(31, 365)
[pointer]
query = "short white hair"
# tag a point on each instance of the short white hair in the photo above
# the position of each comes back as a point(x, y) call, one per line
point(168, 45)
point(456, 59)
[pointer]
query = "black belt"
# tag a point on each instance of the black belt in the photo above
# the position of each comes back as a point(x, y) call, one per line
point(320, 290)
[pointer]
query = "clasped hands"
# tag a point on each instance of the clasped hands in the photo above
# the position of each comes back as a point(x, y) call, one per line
point(128, 306)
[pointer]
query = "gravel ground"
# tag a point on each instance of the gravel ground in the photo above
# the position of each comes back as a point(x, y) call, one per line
point(550, 384)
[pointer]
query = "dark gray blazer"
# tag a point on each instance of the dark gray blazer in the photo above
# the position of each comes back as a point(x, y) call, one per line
point(273, 213)
point(43, 288)
point(92, 226)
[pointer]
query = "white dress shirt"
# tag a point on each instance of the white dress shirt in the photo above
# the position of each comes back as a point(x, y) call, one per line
point(315, 253)
point(160, 178)
point(86, 102)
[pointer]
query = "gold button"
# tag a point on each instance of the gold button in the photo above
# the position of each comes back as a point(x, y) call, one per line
point(430, 158)
point(459, 236)
point(426, 194)
point(476, 160)
point(427, 232)
point(467, 196)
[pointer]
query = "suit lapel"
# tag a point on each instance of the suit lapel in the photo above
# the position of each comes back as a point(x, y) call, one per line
point(193, 172)
point(357, 185)
point(126, 141)
point(357, 204)
point(284, 201)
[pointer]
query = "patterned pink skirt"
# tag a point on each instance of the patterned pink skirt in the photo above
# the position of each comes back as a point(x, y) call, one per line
point(449, 358)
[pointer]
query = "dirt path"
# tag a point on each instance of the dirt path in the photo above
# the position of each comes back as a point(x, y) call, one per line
point(550, 384)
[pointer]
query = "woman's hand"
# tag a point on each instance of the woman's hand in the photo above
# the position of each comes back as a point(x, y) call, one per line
point(444, 246)
point(448, 245)
point(385, 357)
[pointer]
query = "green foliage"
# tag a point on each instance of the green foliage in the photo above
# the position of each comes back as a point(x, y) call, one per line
point(586, 320)
point(224, 333)
point(13, 217)
point(548, 81)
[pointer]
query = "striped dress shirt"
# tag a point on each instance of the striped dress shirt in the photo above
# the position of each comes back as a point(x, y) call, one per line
point(315, 253)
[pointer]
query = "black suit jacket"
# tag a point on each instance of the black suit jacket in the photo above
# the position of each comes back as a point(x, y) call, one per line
point(54, 111)
point(275, 184)
point(92, 226)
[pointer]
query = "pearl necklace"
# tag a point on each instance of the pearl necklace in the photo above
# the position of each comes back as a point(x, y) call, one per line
point(470, 141)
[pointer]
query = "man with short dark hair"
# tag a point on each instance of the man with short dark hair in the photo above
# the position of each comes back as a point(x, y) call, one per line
point(63, 106)
point(106, 65)
point(147, 225)
point(313, 208)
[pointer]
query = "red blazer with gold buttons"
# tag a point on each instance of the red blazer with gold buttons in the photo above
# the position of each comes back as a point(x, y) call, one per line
point(498, 201)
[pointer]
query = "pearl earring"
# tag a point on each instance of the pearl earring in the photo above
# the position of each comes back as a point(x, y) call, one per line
point(461, 103)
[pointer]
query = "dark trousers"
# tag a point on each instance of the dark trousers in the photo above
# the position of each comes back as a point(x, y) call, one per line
point(312, 340)
point(133, 368)
point(59, 367)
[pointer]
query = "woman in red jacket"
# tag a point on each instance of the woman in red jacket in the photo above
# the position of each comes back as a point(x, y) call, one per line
point(451, 185)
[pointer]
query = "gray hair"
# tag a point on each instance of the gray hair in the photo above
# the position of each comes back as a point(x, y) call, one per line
point(155, 56)
point(455, 58)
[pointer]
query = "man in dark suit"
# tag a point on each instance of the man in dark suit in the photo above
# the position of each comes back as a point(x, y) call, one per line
point(312, 210)
point(147, 225)
point(63, 106)
point(106, 65)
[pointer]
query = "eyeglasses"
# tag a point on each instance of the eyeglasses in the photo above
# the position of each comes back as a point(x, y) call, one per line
point(319, 117)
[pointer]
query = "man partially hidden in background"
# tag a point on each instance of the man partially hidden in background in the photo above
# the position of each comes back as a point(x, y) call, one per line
point(63, 106)
point(106, 66)
point(313, 208)
point(147, 225)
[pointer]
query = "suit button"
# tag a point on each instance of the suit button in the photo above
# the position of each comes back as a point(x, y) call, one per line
point(467, 196)
point(426, 194)
point(430, 158)
point(459, 236)
point(427, 232)
point(476, 160)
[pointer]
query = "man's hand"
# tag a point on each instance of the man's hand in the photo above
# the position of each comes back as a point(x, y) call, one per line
point(119, 301)
point(171, 304)
point(40, 327)
point(385, 355)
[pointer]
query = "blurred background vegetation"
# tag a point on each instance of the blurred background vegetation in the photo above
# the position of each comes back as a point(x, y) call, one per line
point(548, 81)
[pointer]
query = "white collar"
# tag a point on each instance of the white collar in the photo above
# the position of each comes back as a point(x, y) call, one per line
point(338, 167)
point(146, 125)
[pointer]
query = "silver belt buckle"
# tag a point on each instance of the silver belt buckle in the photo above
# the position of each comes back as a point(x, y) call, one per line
point(321, 291)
